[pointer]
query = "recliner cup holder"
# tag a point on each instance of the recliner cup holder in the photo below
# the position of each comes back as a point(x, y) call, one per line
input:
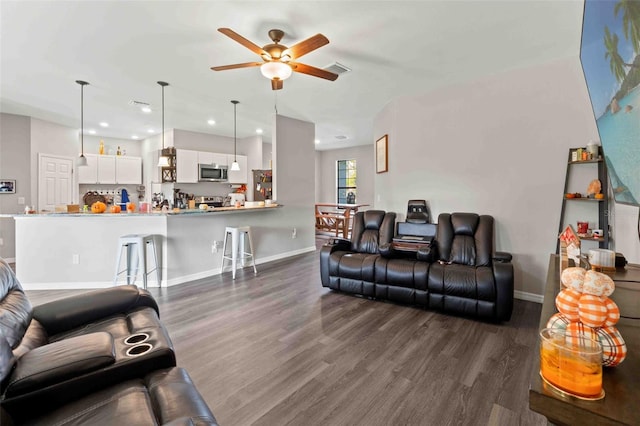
point(140, 349)
point(136, 339)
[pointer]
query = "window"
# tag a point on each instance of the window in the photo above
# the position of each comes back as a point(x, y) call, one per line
point(347, 190)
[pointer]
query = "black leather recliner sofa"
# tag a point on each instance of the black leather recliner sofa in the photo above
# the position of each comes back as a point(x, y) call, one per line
point(460, 273)
point(60, 356)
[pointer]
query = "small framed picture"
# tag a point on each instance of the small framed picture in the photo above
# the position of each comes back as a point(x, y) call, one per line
point(382, 163)
point(7, 186)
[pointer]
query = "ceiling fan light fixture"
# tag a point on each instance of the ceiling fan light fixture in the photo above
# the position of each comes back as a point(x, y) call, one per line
point(276, 70)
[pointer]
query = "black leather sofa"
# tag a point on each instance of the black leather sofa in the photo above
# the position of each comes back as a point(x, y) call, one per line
point(459, 273)
point(53, 355)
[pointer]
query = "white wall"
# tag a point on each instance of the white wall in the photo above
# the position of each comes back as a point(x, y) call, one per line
point(326, 175)
point(496, 146)
point(15, 134)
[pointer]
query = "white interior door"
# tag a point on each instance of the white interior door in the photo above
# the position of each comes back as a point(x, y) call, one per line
point(55, 181)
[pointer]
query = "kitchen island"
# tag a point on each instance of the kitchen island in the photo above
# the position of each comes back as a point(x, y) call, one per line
point(78, 250)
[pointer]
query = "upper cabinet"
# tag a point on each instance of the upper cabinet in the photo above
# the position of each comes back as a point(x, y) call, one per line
point(186, 166)
point(99, 169)
point(212, 158)
point(241, 175)
point(129, 170)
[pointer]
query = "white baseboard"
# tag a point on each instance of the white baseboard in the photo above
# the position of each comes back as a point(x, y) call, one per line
point(530, 297)
point(154, 283)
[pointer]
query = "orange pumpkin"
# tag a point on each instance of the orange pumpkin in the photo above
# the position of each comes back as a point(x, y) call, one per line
point(98, 207)
point(131, 207)
point(116, 208)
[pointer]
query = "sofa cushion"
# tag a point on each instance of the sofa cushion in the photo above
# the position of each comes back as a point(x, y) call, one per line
point(34, 337)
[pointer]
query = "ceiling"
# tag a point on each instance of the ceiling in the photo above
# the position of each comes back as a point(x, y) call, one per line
point(394, 48)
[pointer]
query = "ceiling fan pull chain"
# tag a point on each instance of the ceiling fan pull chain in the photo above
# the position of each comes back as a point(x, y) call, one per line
point(275, 102)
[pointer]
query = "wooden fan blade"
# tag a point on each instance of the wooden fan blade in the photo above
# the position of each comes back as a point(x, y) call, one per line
point(234, 66)
point(316, 72)
point(243, 41)
point(306, 46)
point(277, 84)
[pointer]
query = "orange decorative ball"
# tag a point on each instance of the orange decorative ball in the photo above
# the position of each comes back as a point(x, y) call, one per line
point(98, 207)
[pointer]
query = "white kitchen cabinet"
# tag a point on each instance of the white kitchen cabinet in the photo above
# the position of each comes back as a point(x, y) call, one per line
point(106, 169)
point(186, 166)
point(212, 158)
point(128, 170)
point(100, 169)
point(241, 175)
point(88, 173)
point(110, 169)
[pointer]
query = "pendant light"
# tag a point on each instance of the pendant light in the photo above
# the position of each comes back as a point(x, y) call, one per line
point(234, 166)
point(82, 160)
point(163, 161)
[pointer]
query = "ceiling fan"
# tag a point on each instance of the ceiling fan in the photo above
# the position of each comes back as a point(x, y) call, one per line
point(279, 61)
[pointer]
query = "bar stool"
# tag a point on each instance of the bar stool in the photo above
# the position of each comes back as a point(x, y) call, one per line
point(238, 251)
point(137, 244)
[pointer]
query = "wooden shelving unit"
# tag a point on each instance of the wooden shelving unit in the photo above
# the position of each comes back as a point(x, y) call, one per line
point(603, 203)
point(169, 173)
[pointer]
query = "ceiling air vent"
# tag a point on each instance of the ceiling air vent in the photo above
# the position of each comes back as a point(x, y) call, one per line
point(337, 68)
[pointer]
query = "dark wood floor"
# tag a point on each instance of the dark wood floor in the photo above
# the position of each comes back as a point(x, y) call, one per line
point(278, 348)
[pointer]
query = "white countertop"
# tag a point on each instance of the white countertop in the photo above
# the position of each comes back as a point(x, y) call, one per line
point(174, 212)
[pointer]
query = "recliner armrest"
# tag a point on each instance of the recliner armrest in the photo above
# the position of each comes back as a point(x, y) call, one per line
point(339, 244)
point(502, 256)
point(71, 312)
point(60, 361)
point(427, 254)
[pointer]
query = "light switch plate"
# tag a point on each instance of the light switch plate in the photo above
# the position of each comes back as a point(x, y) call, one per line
point(21, 201)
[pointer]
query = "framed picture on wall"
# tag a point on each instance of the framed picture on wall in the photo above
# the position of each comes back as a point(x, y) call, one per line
point(7, 186)
point(382, 163)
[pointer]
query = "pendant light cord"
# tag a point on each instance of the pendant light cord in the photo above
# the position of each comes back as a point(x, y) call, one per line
point(163, 84)
point(235, 153)
point(82, 119)
point(163, 118)
point(82, 84)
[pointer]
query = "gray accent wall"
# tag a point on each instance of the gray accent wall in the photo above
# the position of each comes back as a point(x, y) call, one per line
point(15, 148)
point(293, 150)
point(496, 146)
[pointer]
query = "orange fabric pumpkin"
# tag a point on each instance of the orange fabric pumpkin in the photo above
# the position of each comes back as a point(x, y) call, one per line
point(116, 208)
point(98, 207)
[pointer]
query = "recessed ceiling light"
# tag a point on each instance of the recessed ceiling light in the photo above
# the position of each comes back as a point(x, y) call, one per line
point(317, 141)
point(104, 124)
point(259, 131)
point(150, 131)
point(134, 137)
point(146, 109)
point(211, 122)
point(93, 132)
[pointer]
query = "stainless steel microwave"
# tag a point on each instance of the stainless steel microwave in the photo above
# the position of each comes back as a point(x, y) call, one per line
point(212, 173)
